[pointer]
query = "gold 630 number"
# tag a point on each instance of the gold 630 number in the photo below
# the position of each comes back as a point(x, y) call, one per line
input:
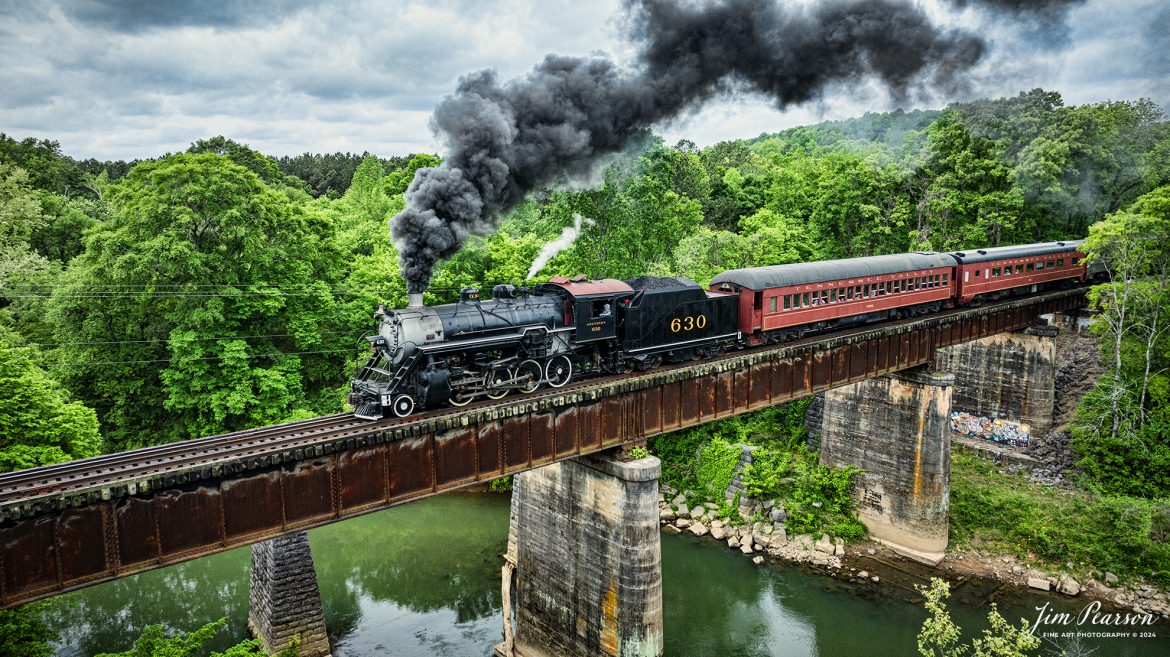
point(688, 323)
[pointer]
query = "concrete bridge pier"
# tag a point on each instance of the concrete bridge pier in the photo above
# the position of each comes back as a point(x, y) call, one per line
point(1009, 377)
point(285, 601)
point(583, 572)
point(897, 429)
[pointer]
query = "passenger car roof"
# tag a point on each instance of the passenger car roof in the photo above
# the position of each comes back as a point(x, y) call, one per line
point(759, 278)
point(1018, 251)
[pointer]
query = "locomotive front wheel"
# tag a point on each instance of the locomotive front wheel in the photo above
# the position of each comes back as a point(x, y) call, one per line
point(558, 371)
point(403, 405)
point(531, 374)
point(496, 378)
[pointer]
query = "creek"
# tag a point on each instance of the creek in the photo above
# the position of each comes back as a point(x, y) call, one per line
point(424, 579)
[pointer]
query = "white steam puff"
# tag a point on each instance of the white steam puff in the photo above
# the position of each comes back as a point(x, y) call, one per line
point(568, 235)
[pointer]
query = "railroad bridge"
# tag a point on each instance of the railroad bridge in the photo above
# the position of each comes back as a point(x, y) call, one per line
point(582, 572)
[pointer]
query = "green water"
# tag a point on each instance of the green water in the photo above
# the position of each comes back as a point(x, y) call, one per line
point(424, 580)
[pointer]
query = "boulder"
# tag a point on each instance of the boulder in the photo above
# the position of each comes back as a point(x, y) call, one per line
point(698, 529)
point(733, 543)
point(683, 510)
point(778, 538)
point(717, 532)
point(1041, 583)
point(863, 575)
point(839, 548)
point(778, 515)
point(679, 500)
point(671, 529)
point(1111, 579)
point(1068, 586)
point(824, 545)
point(746, 547)
point(683, 523)
point(760, 539)
point(697, 512)
point(759, 561)
point(667, 514)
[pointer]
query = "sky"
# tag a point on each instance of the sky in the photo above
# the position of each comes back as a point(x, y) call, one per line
point(125, 79)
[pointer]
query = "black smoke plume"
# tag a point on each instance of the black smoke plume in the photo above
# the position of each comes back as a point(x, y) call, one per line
point(507, 138)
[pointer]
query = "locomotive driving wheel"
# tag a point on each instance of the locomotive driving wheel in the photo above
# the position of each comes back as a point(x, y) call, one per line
point(558, 371)
point(498, 377)
point(460, 398)
point(531, 375)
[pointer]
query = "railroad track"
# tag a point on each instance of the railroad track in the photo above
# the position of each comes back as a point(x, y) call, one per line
point(72, 477)
point(160, 459)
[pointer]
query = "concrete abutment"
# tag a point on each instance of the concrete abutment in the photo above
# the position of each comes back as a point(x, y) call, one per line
point(896, 428)
point(583, 572)
point(285, 601)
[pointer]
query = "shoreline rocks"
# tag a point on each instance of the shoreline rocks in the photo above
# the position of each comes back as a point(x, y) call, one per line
point(770, 539)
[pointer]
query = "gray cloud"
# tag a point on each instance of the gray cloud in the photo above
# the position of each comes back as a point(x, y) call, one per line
point(112, 81)
point(133, 16)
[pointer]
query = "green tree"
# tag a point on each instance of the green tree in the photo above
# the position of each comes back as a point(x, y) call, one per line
point(23, 632)
point(155, 643)
point(941, 637)
point(205, 304)
point(970, 199)
point(1123, 425)
point(39, 424)
point(20, 217)
point(704, 253)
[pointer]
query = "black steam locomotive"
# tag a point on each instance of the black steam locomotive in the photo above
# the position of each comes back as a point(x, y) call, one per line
point(523, 339)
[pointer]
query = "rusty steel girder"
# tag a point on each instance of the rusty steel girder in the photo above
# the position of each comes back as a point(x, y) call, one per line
point(64, 540)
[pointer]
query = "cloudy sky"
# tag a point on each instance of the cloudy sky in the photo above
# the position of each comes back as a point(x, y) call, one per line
point(120, 79)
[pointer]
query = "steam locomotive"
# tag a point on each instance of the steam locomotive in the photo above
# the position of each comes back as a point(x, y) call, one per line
point(523, 339)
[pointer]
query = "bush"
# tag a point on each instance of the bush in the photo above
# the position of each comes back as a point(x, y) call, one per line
point(716, 465)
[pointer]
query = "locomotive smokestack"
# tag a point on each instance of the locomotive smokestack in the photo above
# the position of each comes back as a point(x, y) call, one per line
point(505, 138)
point(414, 300)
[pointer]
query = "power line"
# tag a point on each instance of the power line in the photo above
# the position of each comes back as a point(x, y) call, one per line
point(246, 356)
point(168, 340)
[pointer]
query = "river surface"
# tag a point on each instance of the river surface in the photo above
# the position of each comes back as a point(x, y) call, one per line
point(424, 579)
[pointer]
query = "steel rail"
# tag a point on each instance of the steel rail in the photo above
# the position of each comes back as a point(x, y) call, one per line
point(157, 457)
point(73, 476)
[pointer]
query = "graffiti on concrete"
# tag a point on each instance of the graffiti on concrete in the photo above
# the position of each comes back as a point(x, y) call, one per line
point(993, 429)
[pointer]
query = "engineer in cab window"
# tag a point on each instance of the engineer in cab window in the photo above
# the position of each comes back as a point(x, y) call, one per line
point(605, 312)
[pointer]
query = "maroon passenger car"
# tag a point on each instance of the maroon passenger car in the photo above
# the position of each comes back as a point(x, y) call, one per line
point(784, 301)
point(997, 271)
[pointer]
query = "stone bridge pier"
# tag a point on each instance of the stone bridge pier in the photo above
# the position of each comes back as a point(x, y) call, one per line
point(285, 601)
point(583, 572)
point(1009, 377)
point(897, 429)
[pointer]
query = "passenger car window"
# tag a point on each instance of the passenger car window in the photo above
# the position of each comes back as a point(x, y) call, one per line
point(772, 304)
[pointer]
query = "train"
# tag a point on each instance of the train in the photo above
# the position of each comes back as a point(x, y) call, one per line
point(523, 339)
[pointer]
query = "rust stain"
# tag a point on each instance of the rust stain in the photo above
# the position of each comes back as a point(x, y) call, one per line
point(609, 620)
point(918, 453)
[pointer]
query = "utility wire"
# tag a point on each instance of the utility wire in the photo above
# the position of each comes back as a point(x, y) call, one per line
point(247, 356)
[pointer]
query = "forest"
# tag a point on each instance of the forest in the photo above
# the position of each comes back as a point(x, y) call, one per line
point(220, 288)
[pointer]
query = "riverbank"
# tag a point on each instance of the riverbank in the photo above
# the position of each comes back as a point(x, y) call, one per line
point(864, 561)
